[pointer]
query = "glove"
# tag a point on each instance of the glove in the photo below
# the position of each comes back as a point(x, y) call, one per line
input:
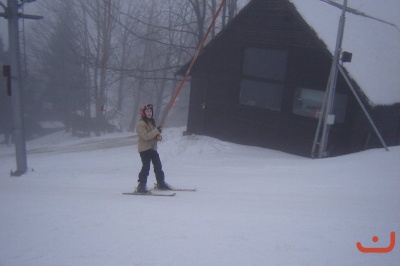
point(159, 137)
point(159, 129)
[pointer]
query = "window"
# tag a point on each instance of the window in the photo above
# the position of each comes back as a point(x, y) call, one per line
point(265, 63)
point(261, 94)
point(264, 72)
point(308, 102)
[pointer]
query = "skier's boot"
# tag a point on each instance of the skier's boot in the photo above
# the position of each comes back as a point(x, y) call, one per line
point(162, 186)
point(142, 188)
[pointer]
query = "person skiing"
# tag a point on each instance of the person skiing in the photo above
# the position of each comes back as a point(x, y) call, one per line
point(148, 136)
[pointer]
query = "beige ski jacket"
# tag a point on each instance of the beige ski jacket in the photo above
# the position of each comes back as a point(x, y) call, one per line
point(146, 136)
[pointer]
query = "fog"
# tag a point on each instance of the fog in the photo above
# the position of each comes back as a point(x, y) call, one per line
point(88, 66)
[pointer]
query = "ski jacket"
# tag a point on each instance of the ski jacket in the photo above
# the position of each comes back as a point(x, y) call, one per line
point(146, 136)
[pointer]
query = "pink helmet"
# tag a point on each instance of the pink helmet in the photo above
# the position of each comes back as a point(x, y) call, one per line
point(143, 108)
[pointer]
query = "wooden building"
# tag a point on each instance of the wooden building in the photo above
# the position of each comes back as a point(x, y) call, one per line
point(262, 79)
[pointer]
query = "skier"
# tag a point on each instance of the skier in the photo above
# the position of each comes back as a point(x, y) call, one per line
point(148, 136)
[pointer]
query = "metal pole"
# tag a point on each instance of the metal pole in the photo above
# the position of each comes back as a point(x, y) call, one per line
point(363, 108)
point(16, 85)
point(331, 85)
point(320, 119)
point(330, 91)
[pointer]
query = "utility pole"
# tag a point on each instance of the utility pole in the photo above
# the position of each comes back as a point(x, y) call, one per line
point(327, 118)
point(12, 15)
point(326, 113)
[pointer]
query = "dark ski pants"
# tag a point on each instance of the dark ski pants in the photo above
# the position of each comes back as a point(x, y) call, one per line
point(147, 157)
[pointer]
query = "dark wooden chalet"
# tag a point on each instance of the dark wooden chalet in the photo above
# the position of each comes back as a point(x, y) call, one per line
point(261, 82)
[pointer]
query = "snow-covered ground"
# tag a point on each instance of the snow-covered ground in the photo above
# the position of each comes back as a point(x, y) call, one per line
point(253, 206)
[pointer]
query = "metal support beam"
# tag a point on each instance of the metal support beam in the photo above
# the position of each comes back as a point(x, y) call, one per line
point(16, 87)
point(327, 117)
point(11, 14)
point(326, 110)
point(363, 108)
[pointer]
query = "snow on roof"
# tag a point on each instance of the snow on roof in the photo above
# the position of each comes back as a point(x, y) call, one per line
point(375, 45)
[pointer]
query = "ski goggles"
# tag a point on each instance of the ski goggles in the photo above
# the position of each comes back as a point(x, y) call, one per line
point(149, 106)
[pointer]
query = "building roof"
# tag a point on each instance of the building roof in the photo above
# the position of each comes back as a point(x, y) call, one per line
point(375, 45)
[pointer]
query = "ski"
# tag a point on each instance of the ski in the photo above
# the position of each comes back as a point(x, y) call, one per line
point(174, 189)
point(149, 194)
point(183, 189)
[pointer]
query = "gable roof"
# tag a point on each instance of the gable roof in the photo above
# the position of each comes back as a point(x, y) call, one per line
point(375, 45)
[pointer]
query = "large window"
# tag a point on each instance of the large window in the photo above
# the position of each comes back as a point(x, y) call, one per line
point(264, 72)
point(265, 63)
point(308, 102)
point(261, 94)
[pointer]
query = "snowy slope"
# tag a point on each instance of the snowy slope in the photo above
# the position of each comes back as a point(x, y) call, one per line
point(253, 206)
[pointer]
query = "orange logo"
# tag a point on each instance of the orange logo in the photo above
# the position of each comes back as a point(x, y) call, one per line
point(379, 250)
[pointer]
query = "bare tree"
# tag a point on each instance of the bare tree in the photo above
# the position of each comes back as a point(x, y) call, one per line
point(229, 11)
point(55, 47)
point(121, 53)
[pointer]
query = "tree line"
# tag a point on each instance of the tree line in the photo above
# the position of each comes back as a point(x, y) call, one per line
point(92, 63)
